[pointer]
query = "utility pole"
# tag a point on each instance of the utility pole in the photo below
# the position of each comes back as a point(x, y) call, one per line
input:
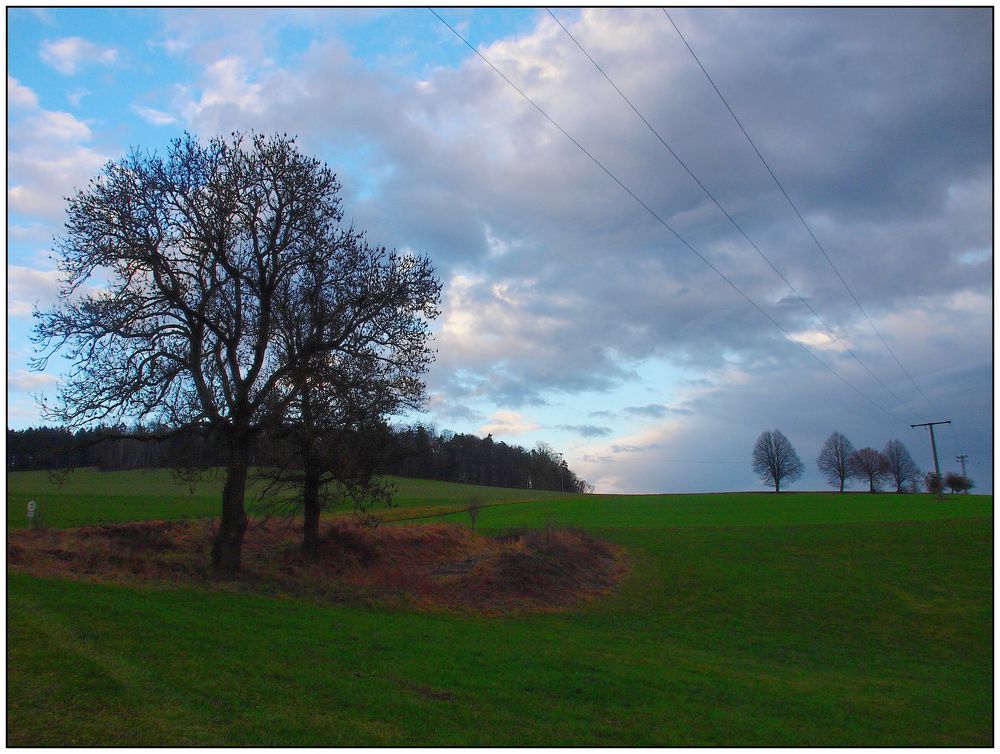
point(962, 459)
point(937, 468)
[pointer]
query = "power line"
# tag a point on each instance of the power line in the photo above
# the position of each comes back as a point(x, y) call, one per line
point(799, 215)
point(659, 219)
point(722, 209)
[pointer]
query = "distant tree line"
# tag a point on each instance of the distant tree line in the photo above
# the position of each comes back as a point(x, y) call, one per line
point(776, 462)
point(418, 451)
point(421, 452)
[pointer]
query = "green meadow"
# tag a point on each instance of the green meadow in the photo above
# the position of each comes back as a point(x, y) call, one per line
point(746, 619)
point(87, 496)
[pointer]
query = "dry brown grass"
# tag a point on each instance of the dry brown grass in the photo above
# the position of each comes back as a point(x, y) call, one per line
point(431, 566)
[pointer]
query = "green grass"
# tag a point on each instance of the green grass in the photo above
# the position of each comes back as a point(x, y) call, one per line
point(728, 509)
point(89, 496)
point(800, 619)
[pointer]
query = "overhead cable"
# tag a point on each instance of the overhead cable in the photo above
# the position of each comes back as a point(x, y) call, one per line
point(725, 212)
point(802, 219)
point(663, 222)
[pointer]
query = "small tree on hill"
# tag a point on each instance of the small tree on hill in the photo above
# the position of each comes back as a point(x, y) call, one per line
point(775, 460)
point(900, 465)
point(869, 465)
point(934, 483)
point(957, 483)
point(833, 459)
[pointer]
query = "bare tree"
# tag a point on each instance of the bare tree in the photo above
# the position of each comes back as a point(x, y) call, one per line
point(957, 483)
point(190, 253)
point(833, 458)
point(900, 465)
point(869, 465)
point(335, 419)
point(775, 460)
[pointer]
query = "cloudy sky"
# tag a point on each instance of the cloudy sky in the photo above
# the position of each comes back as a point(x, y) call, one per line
point(571, 314)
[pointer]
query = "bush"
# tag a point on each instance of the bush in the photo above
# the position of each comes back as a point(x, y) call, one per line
point(957, 483)
point(933, 483)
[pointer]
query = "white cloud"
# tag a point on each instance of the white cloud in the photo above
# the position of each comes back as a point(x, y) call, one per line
point(29, 232)
point(44, 15)
point(156, 117)
point(819, 340)
point(69, 54)
point(20, 96)
point(47, 156)
point(57, 126)
point(40, 180)
point(76, 96)
point(226, 85)
point(172, 46)
point(29, 381)
point(508, 424)
point(27, 287)
point(488, 320)
point(498, 247)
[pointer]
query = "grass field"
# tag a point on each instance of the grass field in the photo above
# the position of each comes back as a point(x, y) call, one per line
point(746, 619)
point(93, 497)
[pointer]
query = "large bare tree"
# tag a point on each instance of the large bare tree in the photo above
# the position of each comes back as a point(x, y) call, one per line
point(833, 459)
point(775, 460)
point(901, 467)
point(174, 269)
point(869, 465)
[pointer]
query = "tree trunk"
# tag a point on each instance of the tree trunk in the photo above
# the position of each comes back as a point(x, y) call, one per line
point(310, 510)
point(777, 485)
point(228, 543)
point(841, 484)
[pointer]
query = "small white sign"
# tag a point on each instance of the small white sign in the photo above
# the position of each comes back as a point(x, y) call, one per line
point(31, 507)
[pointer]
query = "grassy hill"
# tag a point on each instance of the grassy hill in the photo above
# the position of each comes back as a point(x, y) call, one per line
point(89, 496)
point(746, 619)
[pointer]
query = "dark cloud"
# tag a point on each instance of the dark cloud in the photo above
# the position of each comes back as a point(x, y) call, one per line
point(655, 410)
point(849, 128)
point(586, 430)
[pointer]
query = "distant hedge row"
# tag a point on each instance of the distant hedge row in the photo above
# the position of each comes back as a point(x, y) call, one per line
point(417, 451)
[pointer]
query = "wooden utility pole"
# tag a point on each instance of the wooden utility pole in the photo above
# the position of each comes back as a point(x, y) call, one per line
point(937, 468)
